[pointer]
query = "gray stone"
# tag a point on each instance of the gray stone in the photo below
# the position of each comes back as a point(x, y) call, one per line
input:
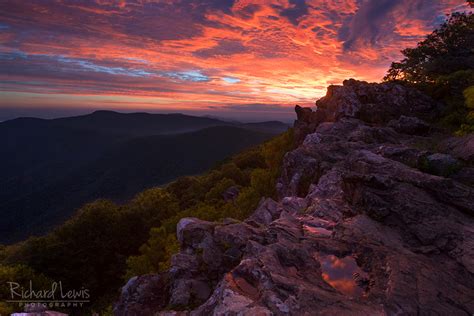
point(361, 225)
point(409, 125)
point(460, 147)
point(440, 164)
point(191, 231)
point(143, 295)
point(231, 193)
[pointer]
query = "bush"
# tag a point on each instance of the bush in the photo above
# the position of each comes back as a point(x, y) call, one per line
point(446, 50)
point(155, 253)
point(218, 190)
point(22, 275)
point(442, 66)
point(255, 170)
point(469, 96)
point(467, 125)
point(154, 205)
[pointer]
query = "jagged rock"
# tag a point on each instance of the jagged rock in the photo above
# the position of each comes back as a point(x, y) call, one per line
point(465, 175)
point(312, 139)
point(306, 121)
point(409, 156)
point(409, 125)
point(231, 193)
point(192, 231)
point(460, 147)
point(373, 103)
point(298, 172)
point(267, 212)
point(440, 164)
point(360, 226)
point(304, 114)
point(143, 295)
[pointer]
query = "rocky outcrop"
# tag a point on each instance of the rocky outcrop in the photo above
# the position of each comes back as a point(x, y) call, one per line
point(231, 193)
point(362, 226)
point(409, 125)
point(143, 295)
point(461, 147)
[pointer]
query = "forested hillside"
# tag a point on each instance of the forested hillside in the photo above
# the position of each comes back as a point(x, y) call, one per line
point(51, 167)
point(105, 242)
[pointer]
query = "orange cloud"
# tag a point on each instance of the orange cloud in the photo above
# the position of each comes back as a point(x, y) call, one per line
point(200, 54)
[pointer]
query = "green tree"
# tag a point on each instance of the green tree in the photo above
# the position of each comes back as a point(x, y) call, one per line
point(154, 205)
point(104, 241)
point(188, 190)
point(468, 125)
point(442, 65)
point(218, 190)
point(446, 50)
point(155, 253)
point(22, 275)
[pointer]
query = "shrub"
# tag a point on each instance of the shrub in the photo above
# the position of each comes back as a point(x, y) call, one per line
point(22, 275)
point(260, 165)
point(442, 66)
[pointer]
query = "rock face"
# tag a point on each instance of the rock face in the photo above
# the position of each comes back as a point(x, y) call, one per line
point(142, 295)
point(231, 193)
point(461, 147)
point(360, 226)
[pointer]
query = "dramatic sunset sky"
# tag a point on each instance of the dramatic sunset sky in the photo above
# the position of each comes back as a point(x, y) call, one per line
point(230, 58)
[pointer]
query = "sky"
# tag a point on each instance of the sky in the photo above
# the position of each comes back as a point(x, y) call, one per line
point(241, 59)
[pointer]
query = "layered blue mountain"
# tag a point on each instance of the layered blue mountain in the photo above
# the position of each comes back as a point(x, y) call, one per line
point(51, 167)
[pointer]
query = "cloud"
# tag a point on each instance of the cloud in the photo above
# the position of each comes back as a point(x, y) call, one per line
point(247, 11)
point(191, 75)
point(258, 107)
point(87, 65)
point(369, 24)
point(197, 54)
point(20, 63)
point(297, 9)
point(377, 24)
point(14, 55)
point(224, 47)
point(231, 79)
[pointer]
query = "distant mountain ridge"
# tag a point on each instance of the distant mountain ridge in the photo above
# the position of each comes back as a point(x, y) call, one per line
point(50, 167)
point(142, 123)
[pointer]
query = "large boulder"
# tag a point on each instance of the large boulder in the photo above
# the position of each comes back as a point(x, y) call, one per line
point(410, 125)
point(460, 147)
point(231, 193)
point(191, 232)
point(143, 295)
point(440, 164)
point(374, 103)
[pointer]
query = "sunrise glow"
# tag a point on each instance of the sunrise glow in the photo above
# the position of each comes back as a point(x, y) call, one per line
point(201, 56)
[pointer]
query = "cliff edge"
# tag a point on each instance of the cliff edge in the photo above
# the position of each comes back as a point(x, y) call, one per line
point(375, 216)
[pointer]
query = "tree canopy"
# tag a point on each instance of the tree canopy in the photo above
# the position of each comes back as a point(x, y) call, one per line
point(105, 243)
point(443, 66)
point(448, 49)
